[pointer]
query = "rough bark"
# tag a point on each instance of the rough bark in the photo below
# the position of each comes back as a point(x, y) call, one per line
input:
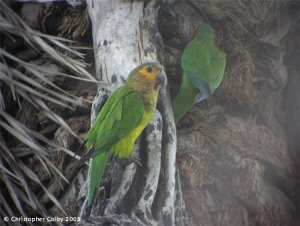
point(292, 99)
point(233, 157)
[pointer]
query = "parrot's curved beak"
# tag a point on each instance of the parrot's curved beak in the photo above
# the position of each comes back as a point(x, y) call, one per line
point(161, 78)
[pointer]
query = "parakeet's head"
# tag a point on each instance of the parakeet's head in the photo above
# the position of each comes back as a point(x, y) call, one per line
point(148, 76)
point(204, 30)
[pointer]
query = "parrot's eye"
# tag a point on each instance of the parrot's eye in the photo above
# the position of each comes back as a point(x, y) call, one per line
point(149, 69)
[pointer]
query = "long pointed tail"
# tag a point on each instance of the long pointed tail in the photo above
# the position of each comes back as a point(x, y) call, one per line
point(185, 99)
point(96, 172)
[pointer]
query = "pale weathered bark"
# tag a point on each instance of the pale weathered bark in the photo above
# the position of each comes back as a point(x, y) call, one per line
point(125, 35)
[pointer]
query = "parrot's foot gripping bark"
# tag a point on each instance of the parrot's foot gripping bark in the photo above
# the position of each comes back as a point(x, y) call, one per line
point(126, 162)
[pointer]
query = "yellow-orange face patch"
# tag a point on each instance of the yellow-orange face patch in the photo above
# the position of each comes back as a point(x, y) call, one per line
point(149, 72)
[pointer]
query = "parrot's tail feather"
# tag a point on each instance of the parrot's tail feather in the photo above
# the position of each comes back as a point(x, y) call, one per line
point(96, 173)
point(185, 99)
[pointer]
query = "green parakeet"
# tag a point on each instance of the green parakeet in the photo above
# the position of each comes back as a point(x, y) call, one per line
point(203, 66)
point(121, 120)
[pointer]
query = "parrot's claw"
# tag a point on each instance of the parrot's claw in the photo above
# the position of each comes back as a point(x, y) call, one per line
point(99, 191)
point(207, 107)
point(135, 160)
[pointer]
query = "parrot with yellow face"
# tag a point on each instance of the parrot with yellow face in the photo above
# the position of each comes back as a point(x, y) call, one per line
point(203, 66)
point(121, 120)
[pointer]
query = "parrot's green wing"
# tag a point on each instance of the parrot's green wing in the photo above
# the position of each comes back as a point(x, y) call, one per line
point(217, 67)
point(126, 115)
point(112, 123)
point(203, 61)
point(111, 102)
point(195, 60)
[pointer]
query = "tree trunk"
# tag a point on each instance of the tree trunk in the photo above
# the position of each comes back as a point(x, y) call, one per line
point(125, 35)
point(233, 157)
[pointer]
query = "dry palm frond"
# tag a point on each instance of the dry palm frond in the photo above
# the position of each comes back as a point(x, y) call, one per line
point(21, 81)
point(11, 24)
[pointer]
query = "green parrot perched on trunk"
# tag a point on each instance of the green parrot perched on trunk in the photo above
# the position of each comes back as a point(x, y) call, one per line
point(203, 66)
point(121, 120)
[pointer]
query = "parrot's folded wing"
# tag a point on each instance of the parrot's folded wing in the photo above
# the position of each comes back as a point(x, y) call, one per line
point(117, 124)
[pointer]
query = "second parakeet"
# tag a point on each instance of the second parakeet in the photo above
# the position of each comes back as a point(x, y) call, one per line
point(203, 66)
point(121, 120)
